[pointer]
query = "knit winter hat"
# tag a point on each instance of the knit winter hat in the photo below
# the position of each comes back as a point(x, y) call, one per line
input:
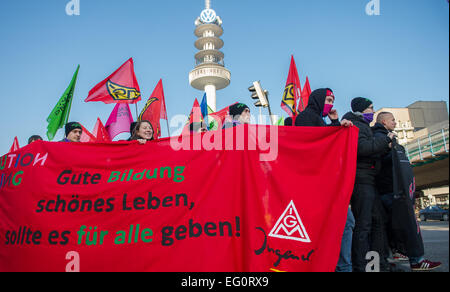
point(195, 127)
point(72, 126)
point(237, 109)
point(360, 104)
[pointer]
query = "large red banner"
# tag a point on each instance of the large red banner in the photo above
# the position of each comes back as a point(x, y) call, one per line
point(251, 198)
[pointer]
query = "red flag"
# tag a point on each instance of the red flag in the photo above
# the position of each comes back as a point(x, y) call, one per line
point(292, 92)
point(100, 132)
point(86, 136)
point(194, 117)
point(119, 87)
point(196, 113)
point(155, 109)
point(306, 92)
point(15, 146)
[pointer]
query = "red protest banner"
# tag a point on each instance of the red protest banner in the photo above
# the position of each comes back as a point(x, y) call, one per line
point(163, 207)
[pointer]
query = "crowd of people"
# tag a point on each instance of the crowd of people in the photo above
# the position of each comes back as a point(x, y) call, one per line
point(369, 225)
point(371, 211)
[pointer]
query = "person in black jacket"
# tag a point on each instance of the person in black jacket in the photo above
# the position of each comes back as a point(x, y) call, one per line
point(384, 180)
point(385, 124)
point(288, 121)
point(365, 202)
point(320, 106)
point(240, 115)
point(403, 239)
point(73, 132)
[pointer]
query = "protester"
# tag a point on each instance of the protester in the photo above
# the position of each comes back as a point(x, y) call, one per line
point(288, 121)
point(73, 132)
point(143, 132)
point(319, 106)
point(198, 127)
point(365, 203)
point(34, 138)
point(240, 114)
point(132, 130)
point(406, 237)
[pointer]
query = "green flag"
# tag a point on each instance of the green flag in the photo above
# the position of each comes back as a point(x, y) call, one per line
point(280, 122)
point(211, 123)
point(210, 111)
point(60, 114)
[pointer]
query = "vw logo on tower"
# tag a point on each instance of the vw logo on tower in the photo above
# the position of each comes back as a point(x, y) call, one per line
point(209, 74)
point(208, 16)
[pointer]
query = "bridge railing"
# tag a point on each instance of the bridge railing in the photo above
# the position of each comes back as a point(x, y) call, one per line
point(434, 146)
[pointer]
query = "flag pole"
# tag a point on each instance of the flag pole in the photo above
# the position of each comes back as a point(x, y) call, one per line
point(71, 99)
point(167, 116)
point(68, 112)
point(137, 115)
point(168, 130)
point(167, 120)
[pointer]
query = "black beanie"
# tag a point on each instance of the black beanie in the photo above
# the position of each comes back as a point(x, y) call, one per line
point(237, 109)
point(288, 121)
point(194, 127)
point(72, 126)
point(360, 104)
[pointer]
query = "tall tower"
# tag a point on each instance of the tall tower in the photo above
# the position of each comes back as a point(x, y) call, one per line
point(210, 73)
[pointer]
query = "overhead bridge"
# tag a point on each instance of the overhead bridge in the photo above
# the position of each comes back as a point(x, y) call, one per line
point(429, 158)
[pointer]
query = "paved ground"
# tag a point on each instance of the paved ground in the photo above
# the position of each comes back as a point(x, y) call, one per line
point(435, 236)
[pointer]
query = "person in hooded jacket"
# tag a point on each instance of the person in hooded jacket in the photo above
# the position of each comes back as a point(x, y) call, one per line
point(320, 105)
point(240, 115)
point(366, 204)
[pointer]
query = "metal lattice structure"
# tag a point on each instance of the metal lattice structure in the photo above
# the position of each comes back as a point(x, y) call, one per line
point(429, 149)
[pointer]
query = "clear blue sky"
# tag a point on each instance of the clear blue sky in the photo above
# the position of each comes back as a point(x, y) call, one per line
point(395, 59)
